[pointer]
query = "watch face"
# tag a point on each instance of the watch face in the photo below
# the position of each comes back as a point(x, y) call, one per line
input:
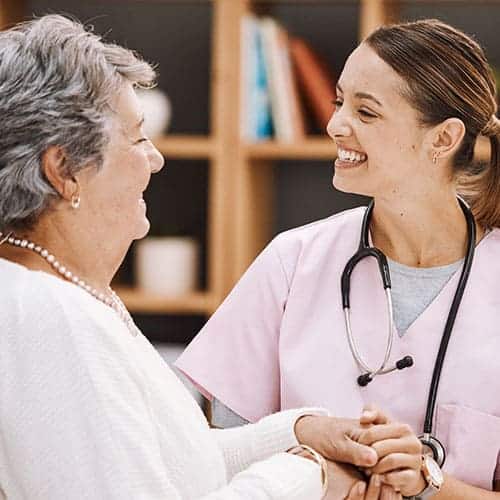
point(434, 471)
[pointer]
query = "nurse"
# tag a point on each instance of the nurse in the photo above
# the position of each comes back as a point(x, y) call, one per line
point(412, 100)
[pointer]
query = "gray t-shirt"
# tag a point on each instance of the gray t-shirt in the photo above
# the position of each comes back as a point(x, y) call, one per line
point(413, 289)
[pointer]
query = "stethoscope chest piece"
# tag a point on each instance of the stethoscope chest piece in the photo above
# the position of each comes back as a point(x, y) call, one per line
point(432, 445)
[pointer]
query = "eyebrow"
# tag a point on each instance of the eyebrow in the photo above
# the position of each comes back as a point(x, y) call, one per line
point(363, 95)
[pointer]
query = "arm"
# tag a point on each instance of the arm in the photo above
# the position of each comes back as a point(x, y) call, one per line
point(282, 476)
point(453, 489)
point(249, 443)
point(76, 423)
point(235, 356)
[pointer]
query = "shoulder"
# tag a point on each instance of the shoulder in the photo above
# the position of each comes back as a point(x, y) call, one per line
point(329, 228)
point(39, 308)
point(325, 236)
point(334, 236)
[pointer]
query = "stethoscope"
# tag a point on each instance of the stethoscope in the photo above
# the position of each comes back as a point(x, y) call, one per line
point(368, 374)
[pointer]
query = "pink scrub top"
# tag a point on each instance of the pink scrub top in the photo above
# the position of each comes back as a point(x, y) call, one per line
point(279, 341)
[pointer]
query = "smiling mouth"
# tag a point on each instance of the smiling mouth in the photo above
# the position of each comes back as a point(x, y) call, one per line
point(348, 158)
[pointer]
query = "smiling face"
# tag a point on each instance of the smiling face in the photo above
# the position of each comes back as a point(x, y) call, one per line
point(112, 197)
point(382, 147)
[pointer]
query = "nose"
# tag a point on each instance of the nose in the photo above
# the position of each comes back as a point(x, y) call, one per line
point(156, 160)
point(338, 126)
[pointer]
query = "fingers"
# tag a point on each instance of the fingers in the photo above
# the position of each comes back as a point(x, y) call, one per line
point(400, 480)
point(351, 452)
point(357, 491)
point(374, 488)
point(388, 493)
point(408, 444)
point(396, 461)
point(372, 491)
point(383, 431)
point(373, 415)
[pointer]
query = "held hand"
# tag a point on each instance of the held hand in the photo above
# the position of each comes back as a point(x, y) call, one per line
point(399, 451)
point(335, 439)
point(375, 490)
point(341, 480)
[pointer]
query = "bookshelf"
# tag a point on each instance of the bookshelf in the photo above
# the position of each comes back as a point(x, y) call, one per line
point(241, 195)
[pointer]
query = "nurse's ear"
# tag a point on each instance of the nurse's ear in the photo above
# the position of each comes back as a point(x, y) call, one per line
point(446, 138)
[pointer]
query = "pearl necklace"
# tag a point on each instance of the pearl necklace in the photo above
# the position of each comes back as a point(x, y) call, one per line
point(112, 301)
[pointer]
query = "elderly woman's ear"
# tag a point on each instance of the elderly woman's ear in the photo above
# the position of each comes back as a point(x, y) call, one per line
point(54, 167)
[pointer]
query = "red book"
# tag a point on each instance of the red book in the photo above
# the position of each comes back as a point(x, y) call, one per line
point(315, 80)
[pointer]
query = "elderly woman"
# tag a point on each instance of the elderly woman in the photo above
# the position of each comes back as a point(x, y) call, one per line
point(88, 409)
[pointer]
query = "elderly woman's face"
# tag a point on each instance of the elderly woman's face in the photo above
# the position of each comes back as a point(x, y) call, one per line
point(379, 139)
point(112, 197)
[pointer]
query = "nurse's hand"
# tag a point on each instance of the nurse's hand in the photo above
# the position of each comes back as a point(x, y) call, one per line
point(336, 439)
point(400, 454)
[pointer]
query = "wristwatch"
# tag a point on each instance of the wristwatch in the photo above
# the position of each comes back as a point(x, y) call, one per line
point(434, 477)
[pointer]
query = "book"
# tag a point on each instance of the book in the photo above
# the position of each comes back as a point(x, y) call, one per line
point(255, 118)
point(285, 104)
point(315, 80)
point(291, 90)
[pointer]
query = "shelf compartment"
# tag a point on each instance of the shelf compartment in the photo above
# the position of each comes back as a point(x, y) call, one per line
point(141, 302)
point(311, 148)
point(185, 146)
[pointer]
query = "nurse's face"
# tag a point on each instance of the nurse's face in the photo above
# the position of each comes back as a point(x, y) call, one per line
point(381, 144)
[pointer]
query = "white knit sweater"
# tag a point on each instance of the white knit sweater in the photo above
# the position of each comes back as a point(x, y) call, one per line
point(87, 411)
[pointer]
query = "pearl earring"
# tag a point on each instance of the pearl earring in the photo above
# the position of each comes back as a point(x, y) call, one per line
point(435, 157)
point(75, 201)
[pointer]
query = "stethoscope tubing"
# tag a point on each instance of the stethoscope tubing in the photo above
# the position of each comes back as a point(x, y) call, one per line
point(457, 299)
point(390, 338)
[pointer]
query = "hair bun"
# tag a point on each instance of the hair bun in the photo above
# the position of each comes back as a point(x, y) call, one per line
point(492, 128)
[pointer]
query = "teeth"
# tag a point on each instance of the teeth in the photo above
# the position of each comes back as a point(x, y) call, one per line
point(353, 156)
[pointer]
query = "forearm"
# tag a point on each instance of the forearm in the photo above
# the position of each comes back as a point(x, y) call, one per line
point(454, 489)
point(250, 443)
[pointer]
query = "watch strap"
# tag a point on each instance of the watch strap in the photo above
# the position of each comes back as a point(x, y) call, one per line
point(428, 492)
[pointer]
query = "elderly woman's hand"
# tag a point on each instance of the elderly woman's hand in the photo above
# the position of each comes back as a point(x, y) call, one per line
point(374, 490)
point(336, 439)
point(341, 480)
point(398, 449)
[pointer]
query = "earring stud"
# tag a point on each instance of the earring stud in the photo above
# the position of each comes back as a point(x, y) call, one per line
point(75, 201)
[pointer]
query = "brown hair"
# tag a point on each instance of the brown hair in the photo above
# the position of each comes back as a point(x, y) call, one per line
point(447, 76)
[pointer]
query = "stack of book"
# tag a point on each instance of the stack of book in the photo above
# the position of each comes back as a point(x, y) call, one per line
point(279, 73)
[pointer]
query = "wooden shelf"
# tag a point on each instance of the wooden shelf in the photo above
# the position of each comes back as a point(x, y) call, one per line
point(322, 149)
point(311, 148)
point(139, 301)
point(185, 146)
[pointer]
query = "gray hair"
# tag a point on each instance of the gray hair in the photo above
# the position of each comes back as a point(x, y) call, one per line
point(56, 82)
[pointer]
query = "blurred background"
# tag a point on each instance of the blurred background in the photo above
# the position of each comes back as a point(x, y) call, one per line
point(243, 163)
